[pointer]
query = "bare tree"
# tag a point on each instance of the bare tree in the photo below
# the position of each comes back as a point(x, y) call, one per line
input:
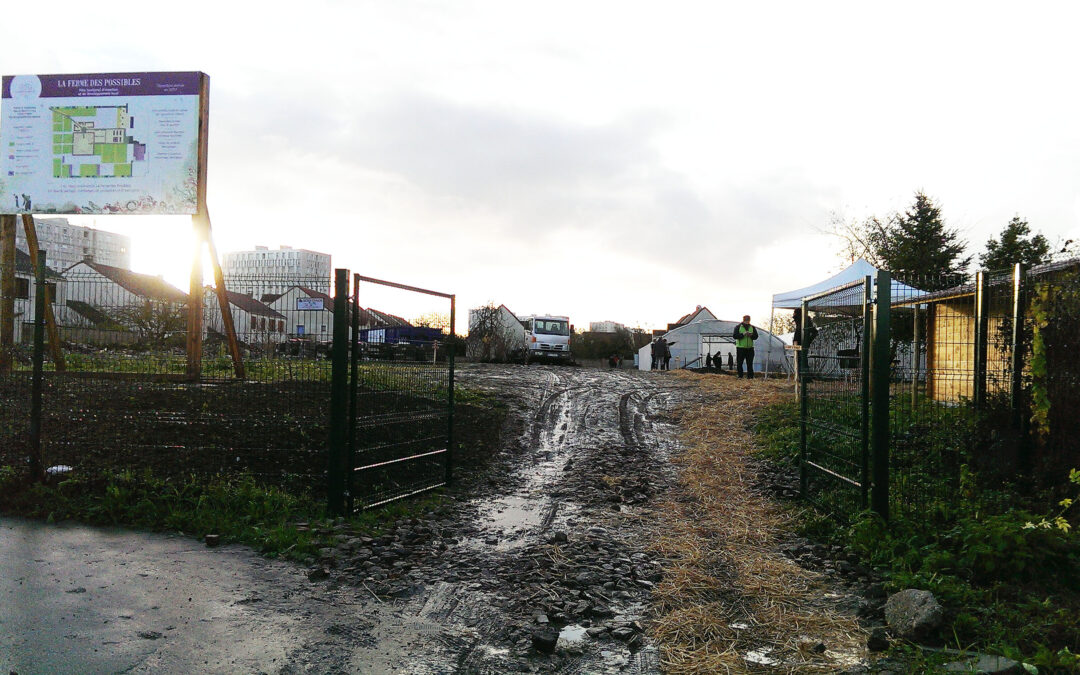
point(781, 324)
point(489, 338)
point(153, 321)
point(859, 239)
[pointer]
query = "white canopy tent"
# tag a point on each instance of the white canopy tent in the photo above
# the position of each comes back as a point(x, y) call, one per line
point(856, 272)
point(692, 342)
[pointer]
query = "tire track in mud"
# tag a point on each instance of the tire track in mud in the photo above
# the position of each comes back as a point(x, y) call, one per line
point(552, 530)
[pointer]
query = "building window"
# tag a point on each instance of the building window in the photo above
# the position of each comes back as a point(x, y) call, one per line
point(22, 288)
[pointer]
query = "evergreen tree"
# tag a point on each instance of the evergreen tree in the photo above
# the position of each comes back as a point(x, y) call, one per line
point(1015, 246)
point(915, 245)
point(917, 242)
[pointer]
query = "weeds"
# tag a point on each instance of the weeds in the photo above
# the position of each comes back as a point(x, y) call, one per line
point(1006, 589)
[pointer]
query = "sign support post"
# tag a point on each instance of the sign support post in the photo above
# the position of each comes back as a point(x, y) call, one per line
point(50, 320)
point(200, 223)
point(223, 302)
point(7, 292)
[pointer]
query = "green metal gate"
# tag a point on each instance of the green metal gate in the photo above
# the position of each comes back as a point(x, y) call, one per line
point(843, 437)
point(392, 403)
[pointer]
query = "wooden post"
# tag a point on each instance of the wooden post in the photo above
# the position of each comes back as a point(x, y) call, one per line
point(200, 227)
point(50, 319)
point(223, 303)
point(7, 292)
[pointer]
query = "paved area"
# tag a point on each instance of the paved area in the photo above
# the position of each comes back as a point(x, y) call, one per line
point(76, 599)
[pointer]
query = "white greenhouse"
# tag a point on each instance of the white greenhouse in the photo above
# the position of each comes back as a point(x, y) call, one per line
point(691, 343)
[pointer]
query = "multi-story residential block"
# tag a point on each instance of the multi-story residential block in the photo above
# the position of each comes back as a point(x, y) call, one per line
point(264, 271)
point(66, 244)
point(604, 326)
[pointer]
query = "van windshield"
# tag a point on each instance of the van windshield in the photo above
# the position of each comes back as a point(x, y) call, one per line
point(550, 327)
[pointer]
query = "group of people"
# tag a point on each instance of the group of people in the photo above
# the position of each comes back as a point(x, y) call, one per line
point(744, 336)
point(717, 362)
point(661, 354)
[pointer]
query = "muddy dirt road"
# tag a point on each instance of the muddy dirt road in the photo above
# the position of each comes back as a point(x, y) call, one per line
point(543, 563)
point(539, 562)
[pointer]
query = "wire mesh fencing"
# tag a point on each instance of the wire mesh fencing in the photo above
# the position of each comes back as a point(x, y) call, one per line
point(833, 380)
point(119, 395)
point(400, 393)
point(982, 381)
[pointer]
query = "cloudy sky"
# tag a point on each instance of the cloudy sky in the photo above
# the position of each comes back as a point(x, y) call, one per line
point(617, 160)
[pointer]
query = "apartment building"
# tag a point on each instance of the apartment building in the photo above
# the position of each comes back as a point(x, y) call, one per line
point(264, 271)
point(66, 244)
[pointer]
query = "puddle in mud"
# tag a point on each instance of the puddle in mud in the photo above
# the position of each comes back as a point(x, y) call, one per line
point(572, 634)
point(504, 521)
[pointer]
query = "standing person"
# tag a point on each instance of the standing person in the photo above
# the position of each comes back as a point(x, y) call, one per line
point(708, 362)
point(667, 354)
point(744, 335)
point(654, 351)
point(661, 353)
point(730, 361)
point(811, 329)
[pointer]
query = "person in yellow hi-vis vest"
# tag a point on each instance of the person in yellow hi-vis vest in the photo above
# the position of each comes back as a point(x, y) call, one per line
point(744, 335)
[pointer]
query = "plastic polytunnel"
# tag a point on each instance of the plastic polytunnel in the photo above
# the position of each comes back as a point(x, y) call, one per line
point(691, 343)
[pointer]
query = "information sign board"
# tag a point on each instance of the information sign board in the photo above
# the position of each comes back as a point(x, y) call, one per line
point(309, 303)
point(123, 143)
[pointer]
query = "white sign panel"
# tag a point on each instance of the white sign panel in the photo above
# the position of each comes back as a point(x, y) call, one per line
point(309, 303)
point(123, 143)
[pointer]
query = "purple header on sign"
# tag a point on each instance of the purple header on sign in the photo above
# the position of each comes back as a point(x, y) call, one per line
point(114, 84)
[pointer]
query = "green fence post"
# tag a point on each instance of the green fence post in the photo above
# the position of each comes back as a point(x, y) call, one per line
point(879, 394)
point(864, 366)
point(37, 465)
point(354, 385)
point(450, 402)
point(802, 357)
point(981, 329)
point(339, 398)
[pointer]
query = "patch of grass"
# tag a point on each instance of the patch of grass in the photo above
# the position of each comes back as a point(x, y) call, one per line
point(1006, 589)
point(239, 509)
